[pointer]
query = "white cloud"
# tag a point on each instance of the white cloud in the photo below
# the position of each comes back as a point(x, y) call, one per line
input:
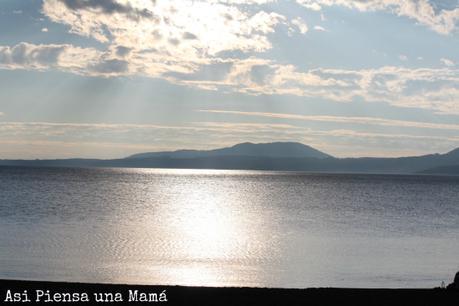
point(351, 143)
point(61, 140)
point(42, 57)
point(312, 5)
point(403, 57)
point(301, 25)
point(58, 140)
point(26, 55)
point(343, 119)
point(168, 36)
point(244, 2)
point(177, 40)
point(443, 21)
point(44, 30)
point(425, 88)
point(319, 28)
point(447, 62)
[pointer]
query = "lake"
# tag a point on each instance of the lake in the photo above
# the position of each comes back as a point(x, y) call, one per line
point(228, 228)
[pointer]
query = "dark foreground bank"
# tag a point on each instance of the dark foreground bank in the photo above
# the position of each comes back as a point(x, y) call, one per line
point(56, 293)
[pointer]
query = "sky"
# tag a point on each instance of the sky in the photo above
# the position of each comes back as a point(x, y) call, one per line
point(110, 78)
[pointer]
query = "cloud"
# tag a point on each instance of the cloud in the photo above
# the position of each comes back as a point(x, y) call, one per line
point(312, 5)
point(161, 37)
point(447, 62)
point(42, 57)
point(192, 43)
point(110, 67)
point(342, 119)
point(403, 57)
point(122, 51)
point(219, 26)
point(30, 56)
point(77, 139)
point(108, 7)
point(319, 28)
point(44, 30)
point(443, 21)
point(59, 140)
point(188, 35)
point(301, 25)
point(348, 142)
point(243, 2)
point(425, 88)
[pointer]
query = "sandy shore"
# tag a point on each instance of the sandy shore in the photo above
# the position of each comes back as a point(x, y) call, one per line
point(14, 292)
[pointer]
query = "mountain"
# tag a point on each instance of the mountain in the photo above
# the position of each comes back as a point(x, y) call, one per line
point(452, 155)
point(281, 156)
point(273, 150)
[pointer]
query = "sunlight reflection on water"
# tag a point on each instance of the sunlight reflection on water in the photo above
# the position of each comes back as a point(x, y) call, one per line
point(227, 228)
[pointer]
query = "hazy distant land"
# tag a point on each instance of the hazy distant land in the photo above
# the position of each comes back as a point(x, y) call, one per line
point(278, 156)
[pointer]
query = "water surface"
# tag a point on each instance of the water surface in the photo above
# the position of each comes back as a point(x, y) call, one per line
point(228, 228)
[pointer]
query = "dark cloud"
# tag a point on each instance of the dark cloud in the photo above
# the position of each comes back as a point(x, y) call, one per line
point(111, 66)
point(122, 51)
point(174, 41)
point(228, 17)
point(156, 35)
point(259, 73)
point(108, 7)
point(189, 36)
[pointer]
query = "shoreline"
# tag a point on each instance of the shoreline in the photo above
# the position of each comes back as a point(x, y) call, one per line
point(119, 294)
point(260, 171)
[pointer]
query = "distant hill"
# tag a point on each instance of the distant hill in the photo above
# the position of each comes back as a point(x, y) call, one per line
point(281, 156)
point(273, 150)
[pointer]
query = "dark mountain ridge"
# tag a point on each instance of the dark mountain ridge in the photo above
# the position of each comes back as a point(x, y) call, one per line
point(279, 156)
point(273, 150)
